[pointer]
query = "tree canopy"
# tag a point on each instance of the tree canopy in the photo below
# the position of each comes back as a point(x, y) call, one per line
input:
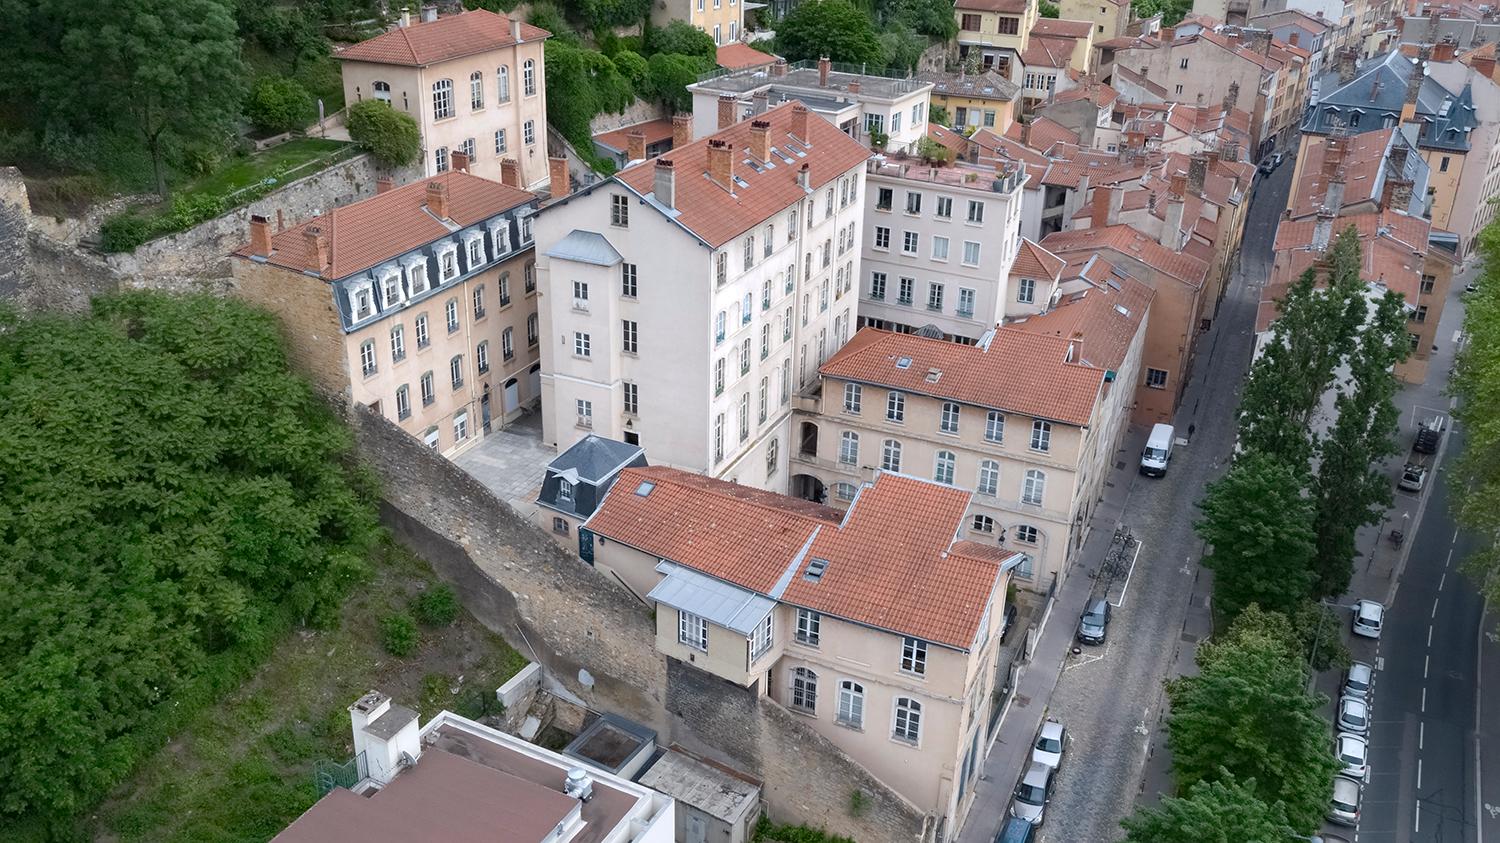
point(1475, 480)
point(174, 500)
point(1259, 528)
point(1221, 811)
point(832, 28)
point(390, 135)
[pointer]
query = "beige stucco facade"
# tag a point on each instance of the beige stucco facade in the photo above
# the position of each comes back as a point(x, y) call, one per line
point(1189, 68)
point(1109, 18)
point(999, 37)
point(721, 20)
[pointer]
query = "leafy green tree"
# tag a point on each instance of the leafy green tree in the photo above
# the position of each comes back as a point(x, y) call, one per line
point(669, 74)
point(939, 115)
point(1318, 629)
point(607, 14)
point(832, 28)
point(550, 17)
point(279, 104)
point(1048, 10)
point(1248, 712)
point(1258, 525)
point(174, 501)
point(582, 83)
point(1223, 810)
point(635, 70)
point(1475, 473)
point(932, 18)
point(682, 38)
point(389, 135)
point(901, 48)
point(1172, 11)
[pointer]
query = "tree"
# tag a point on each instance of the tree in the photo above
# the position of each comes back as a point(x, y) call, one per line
point(1248, 713)
point(1350, 490)
point(1259, 528)
point(1224, 810)
point(939, 115)
point(389, 135)
point(669, 75)
point(607, 14)
point(932, 18)
point(832, 28)
point(1171, 11)
point(900, 47)
point(1048, 10)
point(279, 104)
point(682, 38)
point(1475, 480)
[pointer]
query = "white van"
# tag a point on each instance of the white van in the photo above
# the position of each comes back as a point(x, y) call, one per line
point(1158, 450)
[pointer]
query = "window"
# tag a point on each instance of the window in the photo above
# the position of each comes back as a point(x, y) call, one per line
point(628, 280)
point(765, 340)
point(1443, 164)
point(945, 207)
point(913, 202)
point(508, 343)
point(564, 490)
point(502, 83)
point(904, 290)
point(976, 211)
point(1421, 314)
point(764, 398)
point(849, 448)
point(585, 412)
point(761, 639)
point(719, 376)
point(895, 406)
point(440, 159)
point(398, 344)
point(1156, 378)
point(791, 226)
point(853, 393)
point(449, 267)
point(942, 470)
point(582, 344)
point(989, 478)
point(909, 240)
point(1428, 283)
point(884, 196)
point(1026, 533)
point(478, 295)
point(531, 329)
point(721, 319)
point(971, 253)
point(851, 710)
point(808, 627)
point(431, 438)
point(747, 309)
point(877, 286)
point(890, 455)
point(718, 30)
point(786, 325)
point(450, 310)
point(914, 656)
point(804, 690)
point(403, 402)
point(1041, 435)
point(461, 426)
point(828, 207)
point(994, 426)
point(1182, 64)
point(1026, 291)
point(983, 524)
point(456, 370)
point(970, 23)
point(744, 416)
point(1034, 487)
point(721, 268)
point(619, 211)
point(442, 99)
point(692, 631)
point(501, 146)
point(768, 240)
point(965, 302)
point(949, 421)
point(632, 398)
point(745, 356)
point(482, 356)
point(882, 237)
point(844, 491)
point(939, 248)
point(367, 357)
point(895, 122)
point(529, 275)
point(908, 720)
point(528, 132)
point(773, 449)
point(476, 90)
point(528, 77)
point(382, 91)
point(827, 252)
point(428, 393)
point(629, 336)
point(934, 296)
point(424, 339)
point(747, 247)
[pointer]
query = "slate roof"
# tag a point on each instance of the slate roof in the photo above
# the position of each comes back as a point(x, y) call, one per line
point(449, 37)
point(1378, 91)
point(594, 458)
point(585, 247)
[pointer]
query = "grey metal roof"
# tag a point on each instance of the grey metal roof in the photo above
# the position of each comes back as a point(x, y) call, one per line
point(721, 604)
point(705, 787)
point(594, 458)
point(585, 247)
point(1377, 93)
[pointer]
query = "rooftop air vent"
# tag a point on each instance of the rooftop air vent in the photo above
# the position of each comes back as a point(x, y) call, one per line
point(579, 785)
point(815, 569)
point(933, 375)
point(645, 488)
point(903, 362)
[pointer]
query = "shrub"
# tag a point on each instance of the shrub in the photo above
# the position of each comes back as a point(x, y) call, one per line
point(682, 38)
point(384, 132)
point(398, 634)
point(436, 606)
point(279, 104)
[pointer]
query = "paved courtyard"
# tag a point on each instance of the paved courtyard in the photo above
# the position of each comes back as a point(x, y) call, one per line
point(511, 462)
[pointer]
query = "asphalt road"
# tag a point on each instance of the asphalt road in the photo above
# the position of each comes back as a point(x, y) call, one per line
point(1110, 697)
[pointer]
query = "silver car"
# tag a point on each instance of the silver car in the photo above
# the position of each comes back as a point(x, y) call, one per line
point(1032, 793)
point(1353, 752)
point(1344, 807)
point(1357, 680)
point(1048, 749)
point(1354, 716)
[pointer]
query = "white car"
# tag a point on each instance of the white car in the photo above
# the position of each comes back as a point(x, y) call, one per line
point(1368, 617)
point(1354, 716)
point(1353, 752)
point(1048, 749)
point(1344, 807)
point(1032, 794)
point(1357, 680)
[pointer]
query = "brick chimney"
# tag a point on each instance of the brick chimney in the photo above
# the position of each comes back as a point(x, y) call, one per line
point(824, 68)
point(635, 145)
point(1296, 37)
point(665, 185)
point(721, 163)
point(558, 182)
point(1171, 230)
point(778, 68)
point(804, 177)
point(460, 162)
point(1026, 133)
point(853, 87)
point(1177, 187)
point(1333, 155)
point(1107, 203)
point(260, 235)
point(1168, 34)
point(727, 108)
point(682, 129)
point(1197, 174)
point(1444, 50)
point(317, 246)
point(1348, 65)
point(384, 184)
point(1397, 160)
point(510, 172)
point(1401, 195)
point(1483, 65)
point(437, 198)
point(760, 140)
point(800, 128)
point(1388, 194)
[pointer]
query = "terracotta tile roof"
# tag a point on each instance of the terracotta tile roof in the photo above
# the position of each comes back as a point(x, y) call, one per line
point(1129, 42)
point(954, 142)
point(891, 560)
point(1205, 21)
point(387, 225)
point(448, 37)
point(1069, 167)
point(1010, 7)
point(1064, 28)
point(1032, 261)
point(993, 147)
point(717, 215)
point(1137, 79)
point(1047, 51)
point(1016, 371)
point(737, 56)
point(655, 131)
point(1044, 133)
point(1102, 321)
point(1097, 93)
point(1364, 163)
point(1126, 241)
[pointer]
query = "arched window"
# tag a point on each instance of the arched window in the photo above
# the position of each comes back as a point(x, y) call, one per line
point(895, 407)
point(942, 471)
point(771, 456)
point(844, 491)
point(442, 99)
point(849, 448)
point(908, 721)
point(528, 77)
point(989, 477)
point(851, 711)
point(382, 91)
point(804, 690)
point(502, 83)
point(403, 402)
point(890, 457)
point(482, 356)
point(476, 90)
point(1034, 487)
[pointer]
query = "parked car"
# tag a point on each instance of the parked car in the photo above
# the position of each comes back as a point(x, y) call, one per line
point(1344, 807)
point(1357, 680)
point(1327, 838)
point(1430, 435)
point(1094, 623)
point(1016, 830)
point(1354, 716)
point(1050, 743)
point(1353, 752)
point(1008, 620)
point(1413, 477)
point(1032, 794)
point(1368, 616)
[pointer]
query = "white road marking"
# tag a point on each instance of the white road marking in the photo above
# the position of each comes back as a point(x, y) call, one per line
point(1426, 662)
point(1380, 662)
point(1421, 733)
point(1478, 777)
point(1424, 700)
point(1419, 774)
point(1433, 615)
point(1429, 633)
point(1128, 574)
point(1441, 580)
point(1417, 823)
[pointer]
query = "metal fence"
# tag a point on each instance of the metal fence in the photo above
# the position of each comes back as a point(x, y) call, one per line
point(328, 775)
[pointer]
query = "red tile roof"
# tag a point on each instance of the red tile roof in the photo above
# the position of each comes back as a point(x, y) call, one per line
point(1097, 93)
point(449, 37)
point(1364, 158)
point(956, 144)
point(1032, 261)
point(1064, 28)
point(892, 560)
point(1102, 321)
point(1044, 133)
point(1016, 372)
point(655, 131)
point(718, 215)
point(1128, 242)
point(388, 225)
point(993, 147)
point(737, 56)
point(1047, 51)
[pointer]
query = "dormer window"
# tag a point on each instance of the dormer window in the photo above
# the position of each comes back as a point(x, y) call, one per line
point(564, 491)
point(449, 264)
point(390, 286)
point(476, 251)
point(525, 230)
point(416, 276)
point(361, 302)
point(500, 237)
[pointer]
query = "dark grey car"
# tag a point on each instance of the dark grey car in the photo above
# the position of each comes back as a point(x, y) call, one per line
point(1094, 624)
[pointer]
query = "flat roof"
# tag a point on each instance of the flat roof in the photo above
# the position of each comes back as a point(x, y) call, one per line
point(803, 76)
point(710, 789)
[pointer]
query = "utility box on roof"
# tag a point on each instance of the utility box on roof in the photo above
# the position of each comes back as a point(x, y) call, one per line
point(714, 803)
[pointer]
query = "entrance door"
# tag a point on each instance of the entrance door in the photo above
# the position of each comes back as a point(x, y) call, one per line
point(534, 386)
point(586, 545)
point(697, 830)
point(512, 396)
point(484, 409)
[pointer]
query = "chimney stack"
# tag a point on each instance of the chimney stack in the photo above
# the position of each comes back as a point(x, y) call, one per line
point(260, 235)
point(1099, 207)
point(510, 172)
point(721, 163)
point(665, 186)
point(559, 183)
point(1178, 186)
point(1348, 65)
point(1197, 174)
point(437, 198)
point(1397, 160)
point(1333, 155)
point(429, 14)
point(1026, 132)
point(405, 17)
point(635, 145)
point(1171, 231)
point(760, 102)
point(804, 177)
point(1323, 230)
point(1333, 199)
point(1401, 196)
point(1483, 65)
point(853, 87)
point(460, 162)
point(682, 129)
point(760, 140)
point(800, 128)
point(1294, 38)
point(384, 184)
point(824, 67)
point(515, 30)
point(778, 68)
point(1168, 34)
point(317, 246)
point(1444, 50)
point(727, 108)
